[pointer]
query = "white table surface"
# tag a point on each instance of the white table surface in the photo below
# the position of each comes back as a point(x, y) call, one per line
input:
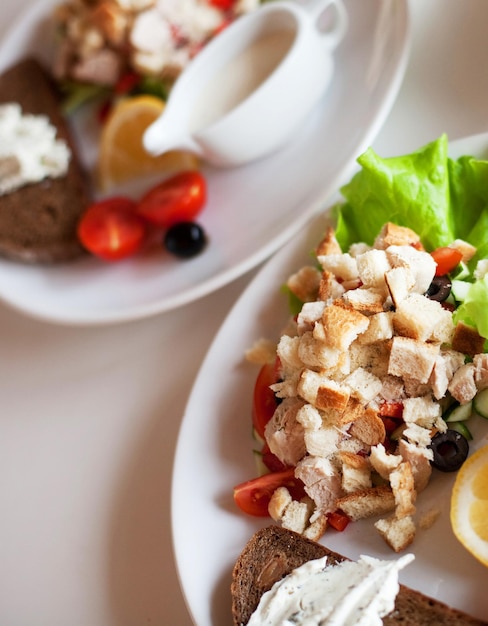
point(85, 537)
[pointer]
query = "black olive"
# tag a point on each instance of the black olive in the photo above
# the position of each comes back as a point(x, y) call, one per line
point(185, 239)
point(450, 450)
point(439, 288)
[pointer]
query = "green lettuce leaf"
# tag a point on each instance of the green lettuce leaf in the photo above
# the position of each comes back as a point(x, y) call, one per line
point(440, 198)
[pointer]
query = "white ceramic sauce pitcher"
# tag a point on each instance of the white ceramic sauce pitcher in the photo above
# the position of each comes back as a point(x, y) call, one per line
point(251, 87)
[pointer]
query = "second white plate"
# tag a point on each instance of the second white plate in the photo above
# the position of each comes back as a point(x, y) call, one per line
point(214, 453)
point(252, 210)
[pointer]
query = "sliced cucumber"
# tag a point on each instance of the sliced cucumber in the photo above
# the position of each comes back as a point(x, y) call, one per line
point(460, 289)
point(461, 272)
point(461, 427)
point(480, 403)
point(459, 412)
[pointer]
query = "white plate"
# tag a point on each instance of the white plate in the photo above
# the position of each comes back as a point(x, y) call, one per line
point(214, 453)
point(252, 210)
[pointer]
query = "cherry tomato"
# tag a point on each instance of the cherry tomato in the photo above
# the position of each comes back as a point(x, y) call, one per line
point(264, 401)
point(111, 229)
point(447, 259)
point(253, 496)
point(177, 199)
point(338, 520)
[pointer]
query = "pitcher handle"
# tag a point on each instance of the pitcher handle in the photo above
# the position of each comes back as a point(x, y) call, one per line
point(335, 33)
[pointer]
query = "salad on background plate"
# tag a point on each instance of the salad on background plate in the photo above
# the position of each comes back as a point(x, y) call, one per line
point(265, 202)
point(217, 432)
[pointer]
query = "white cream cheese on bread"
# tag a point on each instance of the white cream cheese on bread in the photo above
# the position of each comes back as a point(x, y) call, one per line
point(346, 594)
point(29, 149)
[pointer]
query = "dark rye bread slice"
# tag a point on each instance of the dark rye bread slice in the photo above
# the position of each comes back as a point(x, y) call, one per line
point(38, 221)
point(274, 552)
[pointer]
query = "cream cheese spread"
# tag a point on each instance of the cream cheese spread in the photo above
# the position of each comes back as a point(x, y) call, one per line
point(29, 150)
point(347, 594)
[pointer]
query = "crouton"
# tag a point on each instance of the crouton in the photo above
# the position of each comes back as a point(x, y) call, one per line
point(420, 318)
point(367, 503)
point(380, 328)
point(394, 235)
point(304, 284)
point(367, 300)
point(369, 427)
point(342, 326)
point(295, 516)
point(328, 244)
point(310, 313)
point(373, 357)
point(382, 462)
point(287, 351)
point(309, 417)
point(278, 502)
point(400, 281)
point(318, 354)
point(316, 528)
point(322, 392)
point(372, 266)
point(342, 266)
point(329, 288)
point(364, 385)
point(398, 533)
point(421, 264)
point(467, 340)
point(356, 472)
point(411, 358)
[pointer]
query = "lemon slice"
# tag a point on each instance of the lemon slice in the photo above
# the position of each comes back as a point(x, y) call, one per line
point(122, 156)
point(469, 505)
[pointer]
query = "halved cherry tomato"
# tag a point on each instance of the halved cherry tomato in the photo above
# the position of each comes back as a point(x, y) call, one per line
point(447, 259)
point(177, 199)
point(338, 520)
point(264, 400)
point(253, 496)
point(111, 229)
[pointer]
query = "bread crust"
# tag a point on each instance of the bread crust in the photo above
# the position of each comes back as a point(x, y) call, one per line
point(273, 552)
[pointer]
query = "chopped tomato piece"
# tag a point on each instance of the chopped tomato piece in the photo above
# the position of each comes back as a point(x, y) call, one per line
point(264, 400)
point(253, 496)
point(111, 229)
point(223, 5)
point(338, 520)
point(127, 82)
point(391, 409)
point(447, 259)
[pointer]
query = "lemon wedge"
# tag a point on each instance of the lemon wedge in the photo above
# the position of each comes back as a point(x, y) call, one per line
point(122, 156)
point(469, 505)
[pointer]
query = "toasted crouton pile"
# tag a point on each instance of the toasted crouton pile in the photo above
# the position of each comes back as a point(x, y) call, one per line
point(366, 336)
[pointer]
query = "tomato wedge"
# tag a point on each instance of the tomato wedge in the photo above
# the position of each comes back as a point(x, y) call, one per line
point(447, 259)
point(253, 496)
point(111, 229)
point(177, 199)
point(264, 400)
